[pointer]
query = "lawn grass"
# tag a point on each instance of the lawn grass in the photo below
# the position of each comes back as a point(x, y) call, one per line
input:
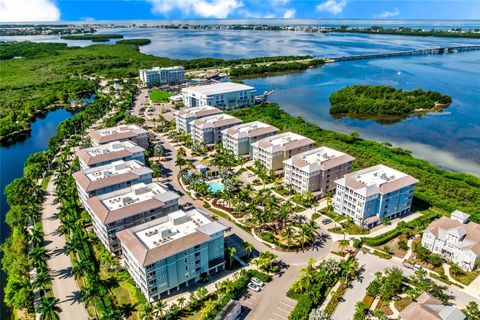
point(159, 96)
point(403, 303)
point(350, 228)
point(466, 277)
point(45, 182)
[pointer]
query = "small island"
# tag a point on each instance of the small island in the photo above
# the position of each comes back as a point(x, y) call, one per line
point(93, 37)
point(137, 42)
point(381, 102)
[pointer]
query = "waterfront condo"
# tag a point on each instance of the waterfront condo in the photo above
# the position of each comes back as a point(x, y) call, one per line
point(184, 117)
point(111, 177)
point(239, 138)
point(316, 170)
point(172, 252)
point(223, 95)
point(107, 153)
point(130, 132)
point(156, 75)
point(373, 194)
point(209, 129)
point(273, 150)
point(455, 239)
point(128, 207)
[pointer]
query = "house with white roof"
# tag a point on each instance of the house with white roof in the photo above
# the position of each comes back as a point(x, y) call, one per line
point(130, 132)
point(222, 95)
point(100, 155)
point(373, 194)
point(316, 170)
point(455, 238)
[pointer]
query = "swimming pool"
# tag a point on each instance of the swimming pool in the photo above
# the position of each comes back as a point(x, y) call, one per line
point(215, 186)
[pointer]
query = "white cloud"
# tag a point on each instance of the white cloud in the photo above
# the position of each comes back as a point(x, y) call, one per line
point(199, 8)
point(388, 14)
point(289, 13)
point(332, 6)
point(87, 19)
point(28, 10)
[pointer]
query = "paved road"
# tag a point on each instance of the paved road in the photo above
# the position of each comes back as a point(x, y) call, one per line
point(356, 292)
point(64, 285)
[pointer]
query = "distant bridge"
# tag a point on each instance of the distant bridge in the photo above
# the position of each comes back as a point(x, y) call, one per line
point(405, 53)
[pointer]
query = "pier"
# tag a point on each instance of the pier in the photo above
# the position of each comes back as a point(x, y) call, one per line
point(406, 53)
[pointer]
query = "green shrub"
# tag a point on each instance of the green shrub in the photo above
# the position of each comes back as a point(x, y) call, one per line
point(302, 309)
point(382, 254)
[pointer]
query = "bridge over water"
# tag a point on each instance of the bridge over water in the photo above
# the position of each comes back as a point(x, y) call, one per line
point(428, 51)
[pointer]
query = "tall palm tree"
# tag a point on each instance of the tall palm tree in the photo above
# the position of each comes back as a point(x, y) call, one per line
point(38, 257)
point(288, 233)
point(230, 253)
point(36, 236)
point(248, 248)
point(181, 302)
point(160, 308)
point(146, 312)
point(42, 280)
point(49, 309)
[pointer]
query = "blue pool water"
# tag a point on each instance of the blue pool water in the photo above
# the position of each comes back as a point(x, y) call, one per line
point(215, 186)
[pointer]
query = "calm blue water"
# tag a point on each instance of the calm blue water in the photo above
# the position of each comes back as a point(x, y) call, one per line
point(215, 186)
point(11, 167)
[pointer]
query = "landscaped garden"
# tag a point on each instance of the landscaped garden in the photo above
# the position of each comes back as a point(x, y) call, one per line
point(159, 96)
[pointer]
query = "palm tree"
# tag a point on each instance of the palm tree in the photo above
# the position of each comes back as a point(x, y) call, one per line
point(305, 234)
point(343, 244)
point(230, 253)
point(288, 233)
point(42, 280)
point(146, 312)
point(36, 236)
point(49, 309)
point(89, 293)
point(181, 302)
point(160, 308)
point(38, 257)
point(248, 248)
point(350, 267)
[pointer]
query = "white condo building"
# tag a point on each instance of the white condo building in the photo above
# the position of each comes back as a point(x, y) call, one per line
point(125, 208)
point(172, 252)
point(106, 153)
point(184, 117)
point(130, 132)
point(111, 177)
point(239, 138)
point(156, 75)
point(209, 129)
point(316, 170)
point(223, 95)
point(373, 194)
point(455, 238)
point(273, 150)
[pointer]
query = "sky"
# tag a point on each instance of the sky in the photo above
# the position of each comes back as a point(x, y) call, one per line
point(90, 10)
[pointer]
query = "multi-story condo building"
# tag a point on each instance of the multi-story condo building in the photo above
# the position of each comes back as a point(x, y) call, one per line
point(171, 252)
point(239, 138)
point(273, 150)
point(130, 132)
point(454, 238)
point(158, 75)
point(209, 129)
point(111, 177)
point(184, 117)
point(107, 153)
point(125, 208)
point(223, 95)
point(373, 194)
point(316, 170)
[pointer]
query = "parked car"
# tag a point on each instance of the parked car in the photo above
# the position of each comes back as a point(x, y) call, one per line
point(326, 221)
point(257, 282)
point(417, 267)
point(253, 286)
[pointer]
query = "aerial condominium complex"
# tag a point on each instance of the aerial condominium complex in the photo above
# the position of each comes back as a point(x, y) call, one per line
point(184, 117)
point(171, 252)
point(130, 132)
point(271, 151)
point(209, 129)
point(156, 75)
point(223, 95)
point(107, 153)
point(111, 177)
point(316, 170)
point(125, 208)
point(455, 238)
point(374, 194)
point(239, 138)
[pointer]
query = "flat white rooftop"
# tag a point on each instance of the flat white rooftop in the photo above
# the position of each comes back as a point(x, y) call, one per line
point(379, 175)
point(112, 169)
point(176, 225)
point(321, 155)
point(164, 68)
point(120, 129)
point(218, 88)
point(137, 193)
point(198, 112)
point(215, 121)
point(111, 147)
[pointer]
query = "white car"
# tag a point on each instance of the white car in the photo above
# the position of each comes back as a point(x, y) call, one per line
point(257, 282)
point(253, 286)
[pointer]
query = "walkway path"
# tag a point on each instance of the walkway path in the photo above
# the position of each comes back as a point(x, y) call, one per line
point(64, 285)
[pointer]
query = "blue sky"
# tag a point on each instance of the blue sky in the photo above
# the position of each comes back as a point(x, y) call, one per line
point(73, 10)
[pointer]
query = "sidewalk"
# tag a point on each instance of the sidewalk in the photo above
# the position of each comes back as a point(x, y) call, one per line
point(64, 286)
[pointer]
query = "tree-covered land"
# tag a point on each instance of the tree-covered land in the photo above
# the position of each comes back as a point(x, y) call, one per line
point(93, 37)
point(385, 100)
point(456, 33)
point(437, 187)
point(255, 69)
point(137, 42)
